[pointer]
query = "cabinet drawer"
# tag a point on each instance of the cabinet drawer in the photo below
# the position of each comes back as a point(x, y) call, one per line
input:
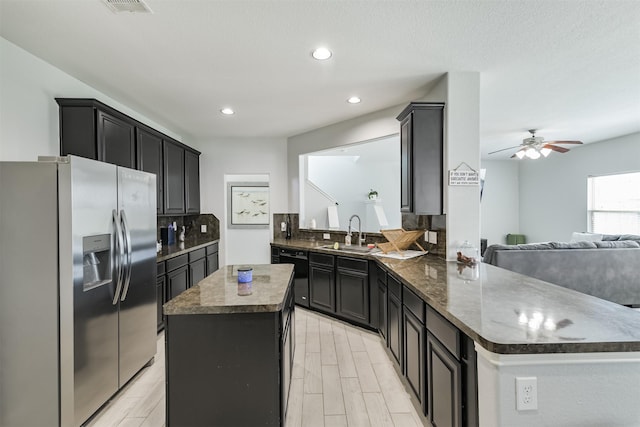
point(395, 288)
point(212, 248)
point(353, 264)
point(177, 262)
point(196, 255)
point(161, 268)
point(321, 259)
point(444, 331)
point(414, 303)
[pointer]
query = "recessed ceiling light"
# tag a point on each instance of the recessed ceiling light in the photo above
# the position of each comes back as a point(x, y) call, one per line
point(227, 111)
point(321, 53)
point(354, 100)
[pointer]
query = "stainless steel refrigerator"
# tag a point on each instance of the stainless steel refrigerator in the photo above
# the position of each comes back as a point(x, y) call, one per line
point(77, 286)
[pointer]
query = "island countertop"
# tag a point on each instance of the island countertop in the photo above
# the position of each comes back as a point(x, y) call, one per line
point(507, 312)
point(218, 293)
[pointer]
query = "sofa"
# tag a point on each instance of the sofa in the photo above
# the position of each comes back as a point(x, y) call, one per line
point(607, 267)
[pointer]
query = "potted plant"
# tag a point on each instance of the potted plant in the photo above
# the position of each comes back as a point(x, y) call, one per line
point(373, 194)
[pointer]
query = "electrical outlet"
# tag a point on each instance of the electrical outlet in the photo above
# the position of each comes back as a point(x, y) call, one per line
point(526, 393)
point(283, 226)
point(326, 236)
point(433, 237)
point(203, 228)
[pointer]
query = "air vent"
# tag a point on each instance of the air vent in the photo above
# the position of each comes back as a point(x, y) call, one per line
point(136, 6)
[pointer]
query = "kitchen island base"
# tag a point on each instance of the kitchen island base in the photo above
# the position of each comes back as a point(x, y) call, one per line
point(229, 357)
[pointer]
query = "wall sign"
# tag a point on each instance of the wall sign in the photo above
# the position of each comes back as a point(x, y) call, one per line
point(464, 177)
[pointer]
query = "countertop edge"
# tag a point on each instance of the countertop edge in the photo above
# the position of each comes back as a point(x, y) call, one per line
point(160, 257)
point(489, 345)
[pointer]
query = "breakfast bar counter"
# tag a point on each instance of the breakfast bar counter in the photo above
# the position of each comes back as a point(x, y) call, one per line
point(229, 356)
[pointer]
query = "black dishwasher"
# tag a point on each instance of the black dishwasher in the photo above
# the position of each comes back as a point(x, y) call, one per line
point(301, 273)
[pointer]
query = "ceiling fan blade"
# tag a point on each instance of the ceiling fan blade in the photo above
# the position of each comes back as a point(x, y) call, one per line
point(505, 149)
point(555, 148)
point(563, 142)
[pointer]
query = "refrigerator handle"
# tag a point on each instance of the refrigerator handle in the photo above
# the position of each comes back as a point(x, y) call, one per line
point(127, 240)
point(118, 256)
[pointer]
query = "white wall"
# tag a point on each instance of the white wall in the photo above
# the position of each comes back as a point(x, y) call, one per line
point(257, 158)
point(369, 126)
point(461, 91)
point(553, 191)
point(500, 206)
point(574, 389)
point(28, 111)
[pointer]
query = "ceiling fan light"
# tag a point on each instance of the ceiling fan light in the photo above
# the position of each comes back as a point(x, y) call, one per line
point(520, 154)
point(545, 151)
point(532, 153)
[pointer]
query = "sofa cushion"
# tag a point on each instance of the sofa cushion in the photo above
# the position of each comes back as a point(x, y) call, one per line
point(618, 244)
point(585, 237)
point(574, 245)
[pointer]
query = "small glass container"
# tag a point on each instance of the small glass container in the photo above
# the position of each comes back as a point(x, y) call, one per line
point(245, 277)
point(467, 254)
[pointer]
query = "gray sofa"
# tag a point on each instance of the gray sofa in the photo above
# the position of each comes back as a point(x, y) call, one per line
point(607, 269)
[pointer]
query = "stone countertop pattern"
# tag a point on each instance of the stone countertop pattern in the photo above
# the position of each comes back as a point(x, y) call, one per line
point(190, 244)
point(218, 293)
point(492, 309)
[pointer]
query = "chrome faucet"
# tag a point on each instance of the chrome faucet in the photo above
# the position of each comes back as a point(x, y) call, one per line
point(360, 239)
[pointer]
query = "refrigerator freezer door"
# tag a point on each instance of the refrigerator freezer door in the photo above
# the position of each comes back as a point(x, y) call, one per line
point(87, 197)
point(137, 207)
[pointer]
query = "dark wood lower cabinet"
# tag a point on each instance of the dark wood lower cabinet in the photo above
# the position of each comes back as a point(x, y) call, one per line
point(444, 386)
point(382, 309)
point(394, 329)
point(177, 281)
point(197, 271)
point(322, 288)
point(160, 300)
point(414, 334)
point(352, 289)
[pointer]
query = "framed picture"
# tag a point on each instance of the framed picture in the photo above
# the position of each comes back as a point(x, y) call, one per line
point(248, 204)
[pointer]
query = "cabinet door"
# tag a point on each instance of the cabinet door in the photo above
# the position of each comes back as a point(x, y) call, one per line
point(352, 295)
point(382, 310)
point(197, 271)
point(394, 330)
point(160, 299)
point(177, 282)
point(212, 263)
point(192, 182)
point(322, 288)
point(427, 161)
point(414, 360)
point(116, 141)
point(444, 387)
point(173, 162)
point(406, 177)
point(149, 159)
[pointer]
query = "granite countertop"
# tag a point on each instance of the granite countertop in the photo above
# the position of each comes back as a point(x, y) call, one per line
point(509, 313)
point(218, 293)
point(190, 244)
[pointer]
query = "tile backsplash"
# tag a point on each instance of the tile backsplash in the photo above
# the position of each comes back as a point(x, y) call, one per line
point(192, 225)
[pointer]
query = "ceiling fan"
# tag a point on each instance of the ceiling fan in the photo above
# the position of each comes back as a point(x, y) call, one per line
point(535, 146)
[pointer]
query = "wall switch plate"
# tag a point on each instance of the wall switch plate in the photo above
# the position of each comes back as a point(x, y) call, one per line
point(526, 393)
point(326, 236)
point(203, 228)
point(283, 226)
point(433, 237)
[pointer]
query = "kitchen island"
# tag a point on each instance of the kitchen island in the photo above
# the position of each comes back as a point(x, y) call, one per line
point(583, 352)
point(229, 357)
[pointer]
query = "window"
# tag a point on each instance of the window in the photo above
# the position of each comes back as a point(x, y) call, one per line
point(614, 203)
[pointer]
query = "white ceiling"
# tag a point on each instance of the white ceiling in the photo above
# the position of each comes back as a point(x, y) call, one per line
point(568, 68)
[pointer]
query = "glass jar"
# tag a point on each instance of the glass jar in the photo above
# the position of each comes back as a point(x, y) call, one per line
point(467, 253)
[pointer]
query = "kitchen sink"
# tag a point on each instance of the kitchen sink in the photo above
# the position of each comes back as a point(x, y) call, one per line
point(352, 248)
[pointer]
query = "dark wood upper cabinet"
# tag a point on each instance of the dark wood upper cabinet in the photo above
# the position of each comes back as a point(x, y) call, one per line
point(91, 129)
point(421, 158)
point(173, 178)
point(149, 159)
point(192, 182)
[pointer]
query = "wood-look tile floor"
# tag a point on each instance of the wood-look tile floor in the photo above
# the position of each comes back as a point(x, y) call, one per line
point(342, 376)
